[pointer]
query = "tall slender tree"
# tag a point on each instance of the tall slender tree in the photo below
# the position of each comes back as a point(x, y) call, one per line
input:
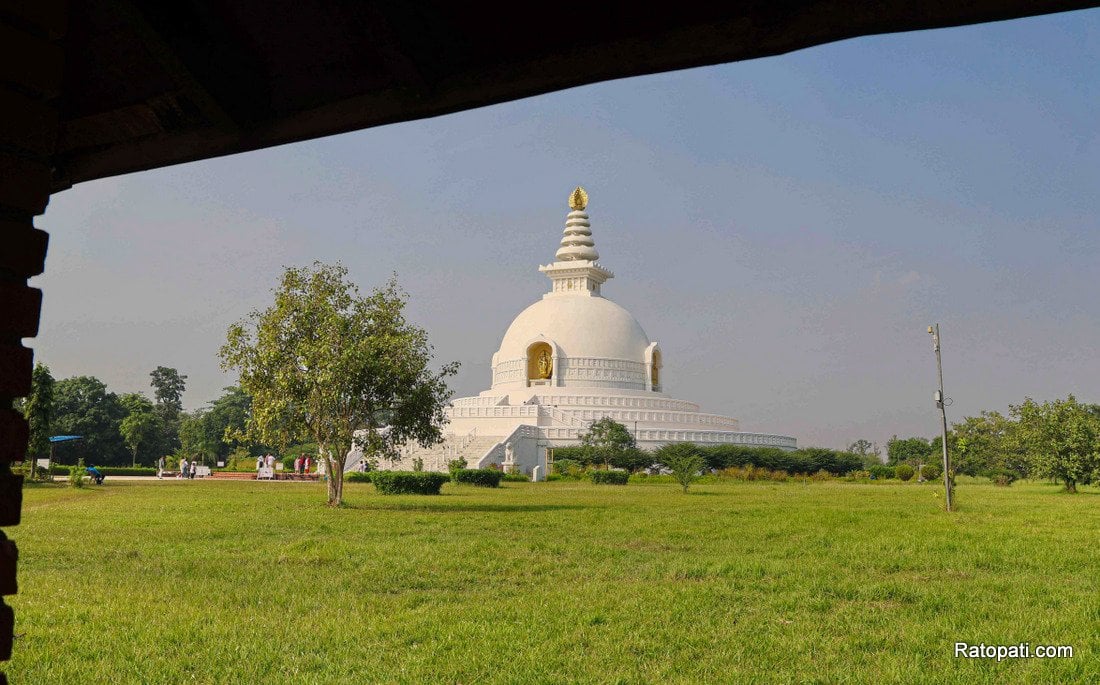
point(38, 411)
point(141, 426)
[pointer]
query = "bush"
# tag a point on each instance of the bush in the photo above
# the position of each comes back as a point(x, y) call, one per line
point(126, 471)
point(684, 460)
point(516, 477)
point(822, 475)
point(408, 482)
point(931, 471)
point(358, 476)
point(904, 472)
point(609, 477)
point(881, 471)
point(568, 468)
point(1003, 477)
point(76, 474)
point(553, 477)
point(482, 478)
point(454, 466)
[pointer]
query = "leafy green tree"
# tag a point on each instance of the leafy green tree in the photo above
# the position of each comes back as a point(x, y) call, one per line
point(198, 436)
point(168, 386)
point(84, 406)
point(1061, 440)
point(325, 363)
point(606, 440)
point(141, 426)
point(683, 459)
point(632, 459)
point(911, 451)
point(38, 411)
point(868, 452)
point(984, 445)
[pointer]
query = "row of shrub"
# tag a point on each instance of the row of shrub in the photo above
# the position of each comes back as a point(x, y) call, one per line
point(61, 470)
point(424, 482)
point(408, 482)
point(718, 457)
point(905, 472)
point(482, 478)
point(609, 477)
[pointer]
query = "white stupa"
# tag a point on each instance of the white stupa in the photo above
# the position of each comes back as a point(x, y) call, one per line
point(567, 360)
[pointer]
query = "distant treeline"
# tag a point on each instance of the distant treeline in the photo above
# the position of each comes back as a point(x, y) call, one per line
point(806, 461)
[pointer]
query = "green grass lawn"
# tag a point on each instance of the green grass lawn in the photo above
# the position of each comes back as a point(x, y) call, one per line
point(245, 582)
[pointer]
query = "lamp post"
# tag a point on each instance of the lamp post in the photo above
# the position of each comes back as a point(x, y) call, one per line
point(934, 331)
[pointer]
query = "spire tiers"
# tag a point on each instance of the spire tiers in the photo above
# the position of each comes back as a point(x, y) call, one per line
point(577, 243)
point(575, 270)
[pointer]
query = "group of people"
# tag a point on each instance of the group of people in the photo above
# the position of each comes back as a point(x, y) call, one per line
point(302, 464)
point(187, 468)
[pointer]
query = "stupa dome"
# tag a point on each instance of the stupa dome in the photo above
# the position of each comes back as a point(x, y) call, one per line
point(580, 325)
point(573, 337)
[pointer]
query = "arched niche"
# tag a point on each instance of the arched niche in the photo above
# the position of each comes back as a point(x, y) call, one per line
point(653, 364)
point(540, 362)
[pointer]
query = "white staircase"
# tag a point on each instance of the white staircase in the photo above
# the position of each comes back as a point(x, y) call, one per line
point(469, 447)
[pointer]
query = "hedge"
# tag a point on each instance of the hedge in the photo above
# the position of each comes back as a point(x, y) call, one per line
point(882, 471)
point(61, 470)
point(806, 460)
point(609, 477)
point(358, 476)
point(482, 478)
point(408, 482)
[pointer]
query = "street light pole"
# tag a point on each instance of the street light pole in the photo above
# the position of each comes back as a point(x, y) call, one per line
point(934, 331)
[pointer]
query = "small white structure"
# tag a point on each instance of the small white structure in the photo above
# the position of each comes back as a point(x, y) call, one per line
point(569, 359)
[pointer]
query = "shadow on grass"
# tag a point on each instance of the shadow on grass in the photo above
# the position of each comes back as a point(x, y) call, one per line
point(461, 507)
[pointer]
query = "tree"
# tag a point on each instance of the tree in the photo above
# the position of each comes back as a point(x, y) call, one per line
point(1061, 440)
point(868, 452)
point(983, 445)
point(325, 363)
point(168, 386)
point(606, 440)
point(683, 459)
point(38, 411)
point(228, 420)
point(141, 426)
point(83, 406)
point(907, 451)
point(198, 437)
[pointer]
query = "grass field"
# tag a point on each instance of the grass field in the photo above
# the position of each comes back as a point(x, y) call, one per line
point(245, 582)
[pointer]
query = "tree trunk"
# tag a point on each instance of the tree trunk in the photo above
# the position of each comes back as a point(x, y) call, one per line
point(1071, 486)
point(335, 476)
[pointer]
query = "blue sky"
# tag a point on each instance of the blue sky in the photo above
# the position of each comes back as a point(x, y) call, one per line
point(785, 227)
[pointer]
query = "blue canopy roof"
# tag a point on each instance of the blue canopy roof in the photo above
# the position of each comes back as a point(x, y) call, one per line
point(65, 438)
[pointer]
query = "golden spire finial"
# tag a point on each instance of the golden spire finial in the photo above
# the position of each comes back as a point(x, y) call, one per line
point(578, 200)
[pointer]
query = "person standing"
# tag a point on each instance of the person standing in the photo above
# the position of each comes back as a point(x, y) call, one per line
point(183, 468)
point(297, 464)
point(271, 461)
point(194, 467)
point(308, 463)
point(160, 468)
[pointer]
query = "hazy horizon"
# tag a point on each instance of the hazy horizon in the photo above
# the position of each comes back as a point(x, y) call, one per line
point(786, 228)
